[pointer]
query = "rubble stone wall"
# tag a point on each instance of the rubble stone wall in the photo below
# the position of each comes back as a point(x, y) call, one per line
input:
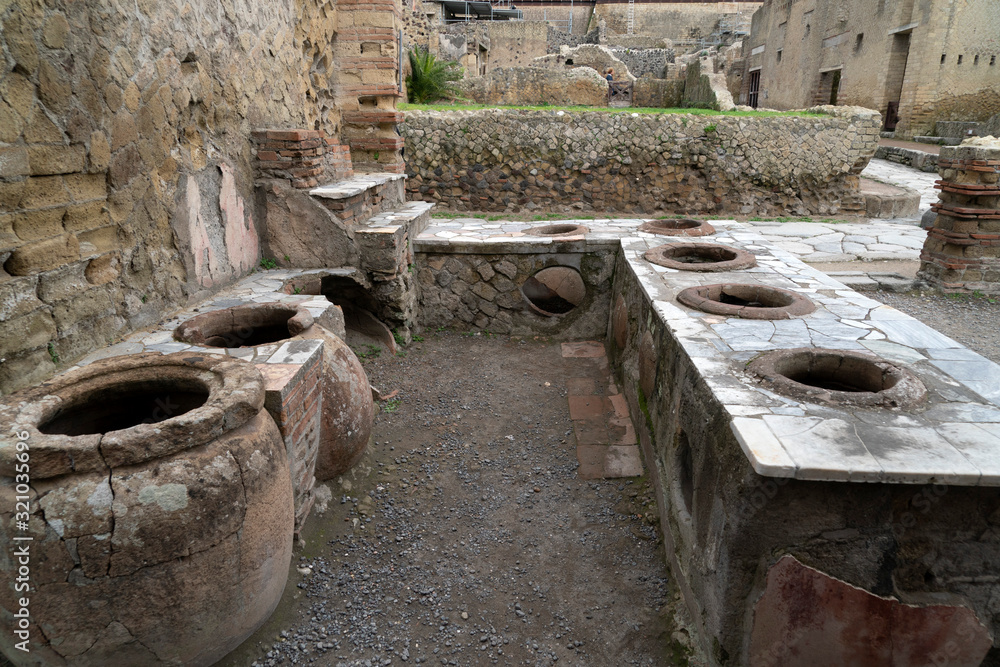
point(494, 160)
point(124, 146)
point(479, 291)
point(645, 61)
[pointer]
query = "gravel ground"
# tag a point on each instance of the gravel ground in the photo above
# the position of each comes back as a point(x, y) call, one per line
point(466, 537)
point(973, 321)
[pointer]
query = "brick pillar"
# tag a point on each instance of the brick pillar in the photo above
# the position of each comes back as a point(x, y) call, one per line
point(367, 52)
point(306, 158)
point(962, 250)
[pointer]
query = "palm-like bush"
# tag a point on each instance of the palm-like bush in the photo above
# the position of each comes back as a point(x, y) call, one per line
point(430, 79)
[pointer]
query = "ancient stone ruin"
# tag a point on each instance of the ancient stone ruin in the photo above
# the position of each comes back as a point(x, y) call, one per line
point(202, 207)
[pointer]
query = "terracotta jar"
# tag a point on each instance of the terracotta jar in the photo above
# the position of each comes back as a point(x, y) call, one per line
point(348, 410)
point(159, 511)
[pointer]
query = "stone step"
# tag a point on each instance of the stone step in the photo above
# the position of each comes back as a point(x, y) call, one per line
point(357, 199)
point(355, 186)
point(385, 240)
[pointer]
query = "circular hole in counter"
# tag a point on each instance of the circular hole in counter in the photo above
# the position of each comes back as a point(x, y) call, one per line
point(677, 227)
point(749, 301)
point(556, 230)
point(839, 377)
point(702, 257)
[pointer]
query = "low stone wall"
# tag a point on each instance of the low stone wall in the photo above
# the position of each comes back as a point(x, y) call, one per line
point(657, 93)
point(467, 289)
point(536, 85)
point(494, 160)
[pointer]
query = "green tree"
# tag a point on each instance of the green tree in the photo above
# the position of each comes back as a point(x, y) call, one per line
point(430, 79)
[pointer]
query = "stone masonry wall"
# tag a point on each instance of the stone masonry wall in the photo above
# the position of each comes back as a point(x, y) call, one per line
point(557, 38)
point(126, 185)
point(494, 160)
point(674, 20)
point(472, 291)
point(645, 61)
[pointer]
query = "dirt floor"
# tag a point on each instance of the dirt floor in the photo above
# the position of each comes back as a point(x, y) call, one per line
point(466, 537)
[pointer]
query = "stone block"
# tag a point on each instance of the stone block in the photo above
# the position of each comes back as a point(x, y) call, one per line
point(98, 241)
point(86, 187)
point(44, 255)
point(27, 332)
point(53, 159)
point(94, 301)
point(39, 224)
point(17, 297)
point(13, 161)
point(62, 283)
point(85, 216)
point(44, 191)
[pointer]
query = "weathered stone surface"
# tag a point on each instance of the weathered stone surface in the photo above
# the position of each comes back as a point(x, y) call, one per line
point(565, 161)
point(214, 557)
point(120, 110)
point(41, 256)
point(536, 85)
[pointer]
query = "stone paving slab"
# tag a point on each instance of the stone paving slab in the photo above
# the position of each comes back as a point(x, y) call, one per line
point(606, 443)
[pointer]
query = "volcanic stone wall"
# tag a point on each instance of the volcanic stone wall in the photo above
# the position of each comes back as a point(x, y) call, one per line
point(126, 184)
point(494, 160)
point(469, 290)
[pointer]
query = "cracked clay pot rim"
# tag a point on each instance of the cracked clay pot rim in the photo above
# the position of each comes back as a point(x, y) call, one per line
point(235, 393)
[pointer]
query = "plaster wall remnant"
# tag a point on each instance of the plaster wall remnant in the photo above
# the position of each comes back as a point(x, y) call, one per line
point(930, 61)
point(495, 160)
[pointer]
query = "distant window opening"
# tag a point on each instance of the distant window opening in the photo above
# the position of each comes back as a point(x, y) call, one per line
point(569, 61)
point(943, 56)
point(975, 61)
point(779, 55)
point(858, 41)
point(993, 61)
point(806, 34)
point(960, 60)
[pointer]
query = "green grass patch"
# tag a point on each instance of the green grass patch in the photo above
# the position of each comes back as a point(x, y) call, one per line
point(642, 110)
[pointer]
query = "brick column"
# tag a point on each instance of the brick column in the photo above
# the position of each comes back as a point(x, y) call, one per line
point(367, 52)
point(962, 250)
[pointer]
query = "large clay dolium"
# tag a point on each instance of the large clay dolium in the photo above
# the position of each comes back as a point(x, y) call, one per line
point(160, 512)
point(347, 406)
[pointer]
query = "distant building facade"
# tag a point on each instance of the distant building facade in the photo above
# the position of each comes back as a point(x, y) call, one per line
point(915, 61)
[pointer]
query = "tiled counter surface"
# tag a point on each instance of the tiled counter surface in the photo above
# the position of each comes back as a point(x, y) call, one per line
point(261, 287)
point(954, 438)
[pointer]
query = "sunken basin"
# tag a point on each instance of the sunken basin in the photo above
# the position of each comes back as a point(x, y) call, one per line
point(754, 302)
point(557, 231)
point(702, 257)
point(160, 510)
point(554, 291)
point(677, 227)
point(348, 412)
point(838, 377)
